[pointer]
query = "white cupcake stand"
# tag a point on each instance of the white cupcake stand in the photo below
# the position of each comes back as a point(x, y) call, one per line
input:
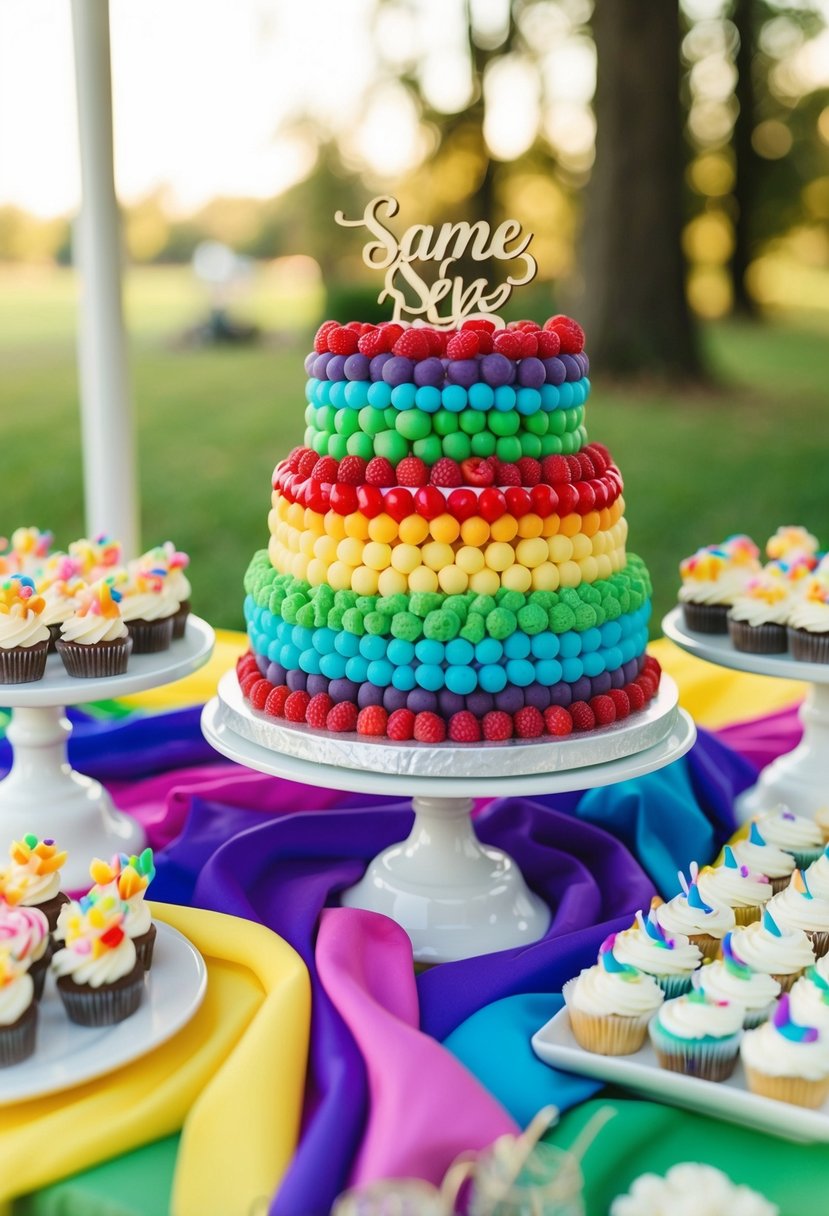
point(42, 794)
point(799, 779)
point(455, 897)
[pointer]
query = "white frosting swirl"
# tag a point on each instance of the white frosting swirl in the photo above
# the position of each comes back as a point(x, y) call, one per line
point(22, 630)
point(15, 998)
point(58, 604)
point(690, 1189)
point(809, 1004)
point(753, 991)
point(817, 876)
point(686, 1017)
point(149, 605)
point(765, 859)
point(24, 932)
point(677, 916)
point(36, 888)
point(768, 1051)
point(810, 615)
point(179, 584)
point(792, 909)
point(110, 966)
point(723, 885)
point(722, 590)
point(790, 832)
point(636, 948)
point(600, 992)
point(92, 628)
point(762, 950)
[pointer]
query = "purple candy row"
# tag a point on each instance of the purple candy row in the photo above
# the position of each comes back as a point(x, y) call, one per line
point(494, 370)
point(447, 703)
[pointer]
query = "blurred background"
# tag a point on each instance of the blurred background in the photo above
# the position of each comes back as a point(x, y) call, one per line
point(672, 161)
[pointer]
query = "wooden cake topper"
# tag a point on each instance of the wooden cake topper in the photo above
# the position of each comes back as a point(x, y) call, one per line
point(447, 301)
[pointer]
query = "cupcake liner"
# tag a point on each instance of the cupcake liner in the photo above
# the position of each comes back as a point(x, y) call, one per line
point(144, 947)
point(149, 637)
point(708, 946)
point(748, 914)
point(611, 1035)
point(706, 618)
point(820, 941)
point(38, 971)
point(54, 635)
point(810, 647)
point(805, 858)
point(787, 982)
point(797, 1090)
point(96, 660)
point(673, 985)
point(758, 639)
point(755, 1017)
point(708, 1059)
point(780, 884)
point(105, 1005)
point(17, 1042)
point(24, 664)
point(180, 620)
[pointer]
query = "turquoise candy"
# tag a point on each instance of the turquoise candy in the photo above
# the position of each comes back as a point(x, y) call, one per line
point(565, 395)
point(429, 676)
point(403, 396)
point(441, 625)
point(572, 670)
point(492, 678)
point(489, 650)
point(570, 645)
point(517, 646)
point(593, 663)
point(528, 400)
point(428, 399)
point(460, 653)
point(356, 394)
point(380, 673)
point(400, 653)
point(520, 672)
point(310, 388)
point(613, 655)
point(461, 680)
point(323, 640)
point(474, 628)
point(346, 644)
point(504, 398)
point(356, 669)
point(481, 397)
point(429, 651)
point(454, 398)
point(407, 626)
point(549, 398)
point(591, 640)
point(532, 619)
point(379, 395)
point(545, 645)
point(333, 665)
point(501, 623)
point(372, 647)
point(403, 678)
point(548, 671)
point(611, 633)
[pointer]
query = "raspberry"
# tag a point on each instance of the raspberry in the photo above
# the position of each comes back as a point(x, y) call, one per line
point(275, 704)
point(635, 696)
point(464, 727)
point(588, 469)
point(392, 332)
point(529, 344)
point(648, 685)
point(558, 721)
point(352, 470)
point(307, 462)
point(296, 706)
point(379, 472)
point(342, 341)
point(528, 722)
point(325, 470)
point(436, 340)
point(507, 474)
point(549, 344)
point(372, 720)
point(342, 717)
point(259, 693)
point(622, 702)
point(555, 470)
point(359, 327)
point(429, 728)
point(604, 709)
point(480, 324)
point(477, 472)
point(575, 468)
point(508, 343)
point(294, 458)
point(321, 337)
point(528, 326)
point(484, 342)
point(598, 456)
point(530, 471)
point(400, 725)
point(247, 682)
point(582, 715)
point(446, 472)
point(411, 471)
point(318, 709)
point(413, 344)
point(245, 663)
point(652, 667)
point(463, 345)
point(497, 726)
point(569, 331)
point(374, 343)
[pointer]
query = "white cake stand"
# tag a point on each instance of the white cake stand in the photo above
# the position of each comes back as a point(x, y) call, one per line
point(454, 897)
point(799, 778)
point(42, 794)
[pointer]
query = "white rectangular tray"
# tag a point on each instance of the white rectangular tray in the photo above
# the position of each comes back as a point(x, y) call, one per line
point(640, 1072)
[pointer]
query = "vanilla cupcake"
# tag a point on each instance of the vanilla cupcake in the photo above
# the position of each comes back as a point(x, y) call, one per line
point(712, 578)
point(94, 641)
point(698, 1036)
point(784, 954)
point(798, 908)
point(33, 878)
point(99, 977)
point(732, 979)
point(24, 638)
point(18, 1010)
point(610, 1004)
point(149, 608)
point(817, 875)
point(791, 540)
point(795, 834)
point(787, 1061)
point(810, 997)
point(765, 858)
point(735, 885)
point(175, 563)
point(60, 586)
point(822, 821)
point(669, 959)
point(808, 629)
point(758, 618)
point(126, 879)
point(705, 925)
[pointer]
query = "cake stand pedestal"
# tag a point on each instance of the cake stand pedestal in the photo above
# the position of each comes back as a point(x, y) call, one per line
point(799, 778)
point(455, 897)
point(42, 793)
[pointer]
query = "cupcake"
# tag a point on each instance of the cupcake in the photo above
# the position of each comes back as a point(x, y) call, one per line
point(787, 1061)
point(735, 885)
point(94, 641)
point(149, 608)
point(712, 578)
point(33, 878)
point(609, 1004)
point(97, 557)
point(822, 821)
point(808, 628)
point(810, 997)
point(24, 933)
point(732, 979)
point(100, 979)
point(817, 875)
point(24, 639)
point(765, 858)
point(29, 550)
point(127, 878)
point(175, 563)
point(792, 833)
point(798, 908)
point(705, 925)
point(784, 954)
point(791, 540)
point(690, 1187)
point(18, 1011)
point(758, 618)
point(670, 959)
point(698, 1036)
point(60, 587)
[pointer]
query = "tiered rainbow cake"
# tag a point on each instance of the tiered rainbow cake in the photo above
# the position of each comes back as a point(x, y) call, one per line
point(447, 551)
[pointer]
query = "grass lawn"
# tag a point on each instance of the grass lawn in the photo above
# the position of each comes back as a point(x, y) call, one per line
point(748, 456)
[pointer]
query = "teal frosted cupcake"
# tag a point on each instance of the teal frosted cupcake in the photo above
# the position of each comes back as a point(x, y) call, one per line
point(698, 1036)
point(810, 997)
point(766, 858)
point(669, 958)
point(731, 979)
point(609, 1005)
point(795, 834)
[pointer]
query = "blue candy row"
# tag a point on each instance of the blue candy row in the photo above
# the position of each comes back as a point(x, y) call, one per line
point(356, 394)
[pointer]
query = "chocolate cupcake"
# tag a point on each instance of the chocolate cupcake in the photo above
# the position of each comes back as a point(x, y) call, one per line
point(24, 933)
point(99, 977)
point(809, 622)
point(127, 879)
point(33, 878)
point(148, 608)
point(712, 578)
point(94, 640)
point(18, 1011)
point(24, 638)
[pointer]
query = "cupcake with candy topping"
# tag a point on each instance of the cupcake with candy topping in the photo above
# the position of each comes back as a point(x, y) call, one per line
point(765, 858)
point(791, 540)
point(669, 958)
point(817, 875)
point(149, 608)
point(782, 953)
point(175, 562)
point(795, 834)
point(737, 886)
point(24, 638)
point(18, 1010)
point(97, 557)
point(810, 996)
point(29, 550)
point(24, 933)
point(758, 618)
point(33, 878)
point(732, 979)
point(127, 878)
point(787, 1061)
point(610, 1004)
point(99, 977)
point(698, 1036)
point(705, 925)
point(808, 628)
point(94, 641)
point(799, 908)
point(60, 586)
point(712, 578)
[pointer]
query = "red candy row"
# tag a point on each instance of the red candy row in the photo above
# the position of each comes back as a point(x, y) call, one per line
point(321, 713)
point(520, 339)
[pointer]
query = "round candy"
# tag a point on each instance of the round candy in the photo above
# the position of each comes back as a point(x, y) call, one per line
point(454, 398)
point(481, 397)
point(428, 399)
point(403, 397)
point(413, 424)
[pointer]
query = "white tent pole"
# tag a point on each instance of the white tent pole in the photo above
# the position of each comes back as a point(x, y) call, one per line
point(107, 424)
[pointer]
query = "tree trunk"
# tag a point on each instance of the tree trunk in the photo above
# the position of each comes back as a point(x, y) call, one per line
point(745, 159)
point(635, 309)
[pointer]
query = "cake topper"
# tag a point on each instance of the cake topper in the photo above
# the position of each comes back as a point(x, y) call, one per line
point(414, 298)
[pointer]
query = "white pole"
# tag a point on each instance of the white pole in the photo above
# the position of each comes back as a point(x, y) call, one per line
point(107, 425)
